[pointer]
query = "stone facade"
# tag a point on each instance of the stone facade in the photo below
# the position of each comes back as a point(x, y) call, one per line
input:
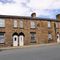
point(41, 29)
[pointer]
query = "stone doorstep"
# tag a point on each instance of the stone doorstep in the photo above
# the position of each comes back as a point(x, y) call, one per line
point(26, 46)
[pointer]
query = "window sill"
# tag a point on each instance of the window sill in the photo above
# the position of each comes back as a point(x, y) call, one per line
point(49, 27)
point(2, 43)
point(15, 27)
point(32, 28)
point(21, 28)
point(33, 42)
point(57, 28)
point(2, 27)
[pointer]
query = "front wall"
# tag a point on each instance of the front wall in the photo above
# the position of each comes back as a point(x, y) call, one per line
point(41, 31)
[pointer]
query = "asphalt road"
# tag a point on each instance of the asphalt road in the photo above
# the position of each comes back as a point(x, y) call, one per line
point(32, 53)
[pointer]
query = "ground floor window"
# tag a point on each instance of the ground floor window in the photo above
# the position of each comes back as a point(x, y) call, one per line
point(49, 36)
point(33, 37)
point(2, 38)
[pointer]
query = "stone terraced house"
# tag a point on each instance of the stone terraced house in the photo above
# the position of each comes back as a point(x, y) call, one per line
point(23, 30)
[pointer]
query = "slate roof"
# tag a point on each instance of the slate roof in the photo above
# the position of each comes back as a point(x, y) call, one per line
point(27, 17)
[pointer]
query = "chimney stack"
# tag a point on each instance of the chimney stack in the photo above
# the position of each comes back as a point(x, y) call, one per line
point(33, 15)
point(58, 16)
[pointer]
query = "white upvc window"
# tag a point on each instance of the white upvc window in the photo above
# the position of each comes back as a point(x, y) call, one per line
point(2, 22)
point(33, 25)
point(49, 24)
point(2, 38)
point(56, 25)
point(15, 23)
point(21, 24)
point(49, 36)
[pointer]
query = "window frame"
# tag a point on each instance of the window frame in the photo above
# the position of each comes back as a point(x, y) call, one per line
point(49, 36)
point(49, 24)
point(57, 25)
point(15, 23)
point(33, 37)
point(21, 24)
point(2, 34)
point(2, 23)
point(32, 24)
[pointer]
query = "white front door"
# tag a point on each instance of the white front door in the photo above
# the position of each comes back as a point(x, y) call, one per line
point(15, 40)
point(21, 40)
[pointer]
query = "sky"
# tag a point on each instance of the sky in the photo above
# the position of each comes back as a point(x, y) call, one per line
point(42, 8)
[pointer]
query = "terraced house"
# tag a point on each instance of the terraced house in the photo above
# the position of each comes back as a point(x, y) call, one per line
point(21, 30)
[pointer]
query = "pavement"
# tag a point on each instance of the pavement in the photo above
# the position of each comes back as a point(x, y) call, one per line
point(27, 46)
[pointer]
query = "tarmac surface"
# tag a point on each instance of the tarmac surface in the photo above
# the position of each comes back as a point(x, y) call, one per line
point(35, 52)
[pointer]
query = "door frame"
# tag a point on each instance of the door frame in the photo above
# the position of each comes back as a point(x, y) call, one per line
point(15, 36)
point(21, 40)
point(21, 43)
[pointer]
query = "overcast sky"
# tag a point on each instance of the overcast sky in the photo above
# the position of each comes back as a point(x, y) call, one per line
point(43, 8)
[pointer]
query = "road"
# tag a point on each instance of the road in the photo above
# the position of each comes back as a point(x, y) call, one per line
point(32, 53)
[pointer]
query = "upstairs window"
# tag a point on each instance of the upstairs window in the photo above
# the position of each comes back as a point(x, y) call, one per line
point(56, 25)
point(21, 24)
point(2, 23)
point(49, 24)
point(33, 25)
point(15, 23)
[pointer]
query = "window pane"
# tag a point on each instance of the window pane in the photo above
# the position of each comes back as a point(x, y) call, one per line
point(49, 36)
point(2, 23)
point(57, 24)
point(15, 23)
point(21, 24)
point(49, 24)
point(33, 36)
point(2, 38)
point(33, 24)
